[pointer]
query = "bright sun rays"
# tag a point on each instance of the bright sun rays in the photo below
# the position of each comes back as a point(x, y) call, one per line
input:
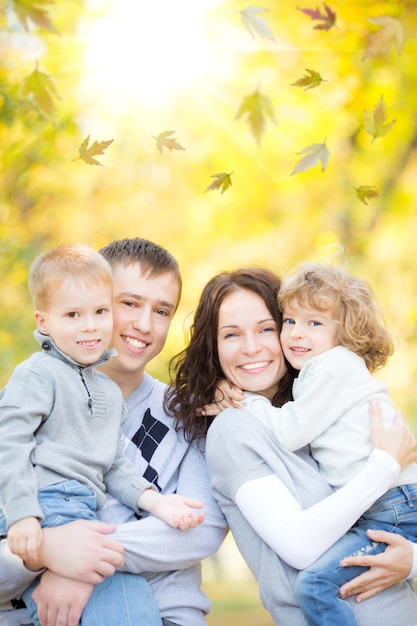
point(147, 52)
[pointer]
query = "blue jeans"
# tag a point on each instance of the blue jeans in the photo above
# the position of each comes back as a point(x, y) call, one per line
point(120, 599)
point(317, 587)
point(63, 502)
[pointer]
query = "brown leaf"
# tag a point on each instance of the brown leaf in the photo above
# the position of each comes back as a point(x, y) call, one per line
point(164, 140)
point(27, 10)
point(88, 152)
point(379, 43)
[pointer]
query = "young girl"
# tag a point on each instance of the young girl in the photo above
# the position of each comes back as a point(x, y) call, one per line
point(332, 334)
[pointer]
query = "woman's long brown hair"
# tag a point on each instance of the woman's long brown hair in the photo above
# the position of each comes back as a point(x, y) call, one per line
point(195, 372)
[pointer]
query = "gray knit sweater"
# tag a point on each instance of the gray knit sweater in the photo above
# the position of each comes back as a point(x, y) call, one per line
point(60, 421)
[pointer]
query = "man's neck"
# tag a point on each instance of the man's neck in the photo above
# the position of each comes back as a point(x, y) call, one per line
point(127, 381)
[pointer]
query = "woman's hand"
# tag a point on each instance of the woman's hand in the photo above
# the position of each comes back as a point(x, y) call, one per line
point(386, 569)
point(397, 440)
point(227, 396)
point(81, 550)
point(60, 600)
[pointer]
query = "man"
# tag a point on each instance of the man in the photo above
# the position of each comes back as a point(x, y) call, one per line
point(146, 292)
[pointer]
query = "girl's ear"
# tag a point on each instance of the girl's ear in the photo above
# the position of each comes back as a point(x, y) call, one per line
point(41, 322)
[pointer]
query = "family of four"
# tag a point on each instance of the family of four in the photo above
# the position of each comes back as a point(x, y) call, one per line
point(87, 435)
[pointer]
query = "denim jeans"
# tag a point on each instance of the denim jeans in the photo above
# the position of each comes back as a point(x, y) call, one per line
point(120, 599)
point(63, 502)
point(317, 587)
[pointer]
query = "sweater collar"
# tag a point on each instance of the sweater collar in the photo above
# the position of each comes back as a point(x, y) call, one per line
point(49, 346)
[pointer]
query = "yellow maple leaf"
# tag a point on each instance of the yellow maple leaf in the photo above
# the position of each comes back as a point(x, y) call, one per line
point(257, 107)
point(365, 193)
point(376, 124)
point(164, 140)
point(87, 153)
point(309, 81)
point(379, 43)
point(221, 181)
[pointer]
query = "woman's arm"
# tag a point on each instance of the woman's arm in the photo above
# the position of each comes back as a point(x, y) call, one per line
point(301, 536)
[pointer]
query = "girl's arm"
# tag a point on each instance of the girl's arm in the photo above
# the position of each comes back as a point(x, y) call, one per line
point(300, 536)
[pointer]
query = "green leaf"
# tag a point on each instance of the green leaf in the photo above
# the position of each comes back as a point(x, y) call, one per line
point(27, 10)
point(365, 193)
point(41, 88)
point(310, 80)
point(164, 140)
point(222, 181)
point(376, 123)
point(257, 108)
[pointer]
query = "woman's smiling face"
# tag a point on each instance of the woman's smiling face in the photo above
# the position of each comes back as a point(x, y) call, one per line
point(248, 343)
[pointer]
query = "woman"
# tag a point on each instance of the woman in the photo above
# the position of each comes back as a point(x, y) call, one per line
point(235, 336)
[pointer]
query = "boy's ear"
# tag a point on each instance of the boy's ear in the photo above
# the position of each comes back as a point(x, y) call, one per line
point(40, 322)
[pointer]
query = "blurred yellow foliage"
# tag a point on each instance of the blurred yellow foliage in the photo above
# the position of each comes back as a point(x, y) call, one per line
point(120, 75)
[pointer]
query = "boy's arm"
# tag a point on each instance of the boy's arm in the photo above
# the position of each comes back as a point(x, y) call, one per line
point(14, 576)
point(152, 546)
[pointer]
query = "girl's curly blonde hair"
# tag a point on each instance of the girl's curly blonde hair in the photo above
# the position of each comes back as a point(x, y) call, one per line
point(354, 308)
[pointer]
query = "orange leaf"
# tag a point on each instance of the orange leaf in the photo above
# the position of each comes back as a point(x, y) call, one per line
point(88, 152)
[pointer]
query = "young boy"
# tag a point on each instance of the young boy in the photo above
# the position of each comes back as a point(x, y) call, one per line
point(146, 292)
point(332, 333)
point(59, 418)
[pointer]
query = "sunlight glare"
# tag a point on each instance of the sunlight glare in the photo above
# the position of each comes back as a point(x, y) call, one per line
point(148, 51)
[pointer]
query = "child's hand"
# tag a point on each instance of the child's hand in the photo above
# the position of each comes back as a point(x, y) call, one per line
point(227, 396)
point(175, 510)
point(25, 538)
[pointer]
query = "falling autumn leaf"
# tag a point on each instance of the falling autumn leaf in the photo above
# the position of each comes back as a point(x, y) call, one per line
point(254, 24)
point(164, 140)
point(328, 18)
point(310, 80)
point(88, 152)
point(41, 88)
point(221, 181)
point(365, 193)
point(379, 43)
point(27, 10)
point(314, 153)
point(257, 109)
point(376, 124)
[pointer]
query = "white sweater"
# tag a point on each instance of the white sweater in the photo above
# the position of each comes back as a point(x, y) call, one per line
point(330, 411)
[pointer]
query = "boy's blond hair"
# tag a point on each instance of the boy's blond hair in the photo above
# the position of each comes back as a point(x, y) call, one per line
point(352, 302)
point(76, 261)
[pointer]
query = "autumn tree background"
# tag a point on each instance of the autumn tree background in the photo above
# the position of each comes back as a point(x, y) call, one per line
point(234, 135)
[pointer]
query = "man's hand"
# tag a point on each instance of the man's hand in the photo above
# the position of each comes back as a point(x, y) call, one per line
point(81, 550)
point(386, 569)
point(60, 600)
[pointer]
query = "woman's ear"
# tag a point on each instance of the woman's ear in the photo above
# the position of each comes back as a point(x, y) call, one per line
point(41, 322)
